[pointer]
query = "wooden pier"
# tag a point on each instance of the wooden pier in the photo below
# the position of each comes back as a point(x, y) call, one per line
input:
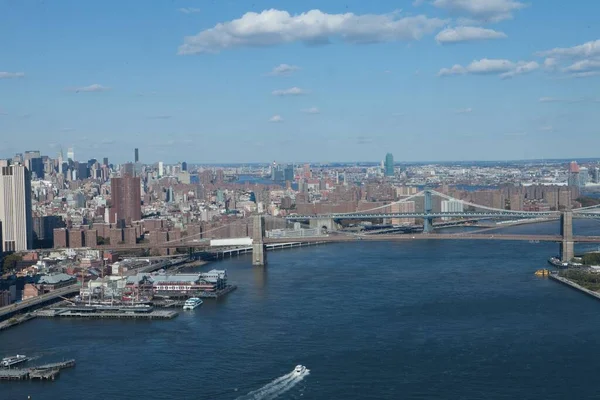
point(42, 372)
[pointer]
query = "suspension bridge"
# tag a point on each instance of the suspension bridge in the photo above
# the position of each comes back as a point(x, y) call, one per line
point(259, 242)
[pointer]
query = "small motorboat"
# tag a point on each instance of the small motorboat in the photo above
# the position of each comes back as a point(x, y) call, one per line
point(299, 369)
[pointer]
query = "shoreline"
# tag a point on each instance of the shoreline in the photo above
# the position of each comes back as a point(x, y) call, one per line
point(573, 285)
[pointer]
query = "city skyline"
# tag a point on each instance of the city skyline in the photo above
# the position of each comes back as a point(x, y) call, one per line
point(203, 82)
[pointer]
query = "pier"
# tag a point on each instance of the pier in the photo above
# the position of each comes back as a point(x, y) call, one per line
point(41, 372)
point(95, 314)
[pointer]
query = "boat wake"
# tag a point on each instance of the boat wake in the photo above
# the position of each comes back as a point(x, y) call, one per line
point(277, 387)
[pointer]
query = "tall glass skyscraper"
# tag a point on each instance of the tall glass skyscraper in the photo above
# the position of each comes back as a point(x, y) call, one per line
point(389, 164)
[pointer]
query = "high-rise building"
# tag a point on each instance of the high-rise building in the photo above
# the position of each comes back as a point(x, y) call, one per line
point(184, 166)
point(71, 154)
point(289, 173)
point(448, 206)
point(574, 174)
point(126, 200)
point(389, 164)
point(15, 208)
point(161, 169)
point(128, 169)
point(137, 156)
point(105, 161)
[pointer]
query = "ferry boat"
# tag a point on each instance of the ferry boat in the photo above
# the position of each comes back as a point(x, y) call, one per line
point(557, 262)
point(192, 303)
point(299, 369)
point(13, 360)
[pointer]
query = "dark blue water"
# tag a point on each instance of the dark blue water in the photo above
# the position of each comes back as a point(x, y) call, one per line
point(402, 320)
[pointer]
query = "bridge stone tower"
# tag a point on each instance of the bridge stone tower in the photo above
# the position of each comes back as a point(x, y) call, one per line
point(428, 221)
point(567, 248)
point(326, 224)
point(259, 251)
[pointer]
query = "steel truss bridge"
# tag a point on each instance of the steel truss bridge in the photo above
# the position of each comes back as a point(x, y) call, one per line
point(481, 212)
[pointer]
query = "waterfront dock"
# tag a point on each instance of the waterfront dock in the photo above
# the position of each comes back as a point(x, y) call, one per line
point(41, 372)
point(554, 275)
point(76, 313)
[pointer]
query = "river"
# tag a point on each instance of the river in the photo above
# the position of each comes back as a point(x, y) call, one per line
point(371, 320)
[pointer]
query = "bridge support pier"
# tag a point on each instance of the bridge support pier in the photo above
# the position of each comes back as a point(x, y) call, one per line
point(325, 224)
point(567, 247)
point(428, 221)
point(259, 250)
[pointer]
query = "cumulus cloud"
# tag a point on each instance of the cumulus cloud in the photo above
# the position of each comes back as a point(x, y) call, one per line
point(482, 10)
point(273, 27)
point(283, 69)
point(294, 91)
point(585, 50)
point(91, 88)
point(188, 10)
point(580, 61)
point(311, 110)
point(504, 68)
point(467, 34)
point(276, 118)
point(8, 75)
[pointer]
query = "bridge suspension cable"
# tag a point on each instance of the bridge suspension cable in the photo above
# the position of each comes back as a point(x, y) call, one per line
point(386, 205)
point(445, 196)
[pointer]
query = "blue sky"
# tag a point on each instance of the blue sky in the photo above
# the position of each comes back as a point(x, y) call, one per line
point(238, 81)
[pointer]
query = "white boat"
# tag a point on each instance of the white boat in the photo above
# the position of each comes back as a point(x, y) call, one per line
point(299, 369)
point(192, 303)
point(13, 360)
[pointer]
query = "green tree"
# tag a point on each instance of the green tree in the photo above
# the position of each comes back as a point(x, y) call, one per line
point(10, 262)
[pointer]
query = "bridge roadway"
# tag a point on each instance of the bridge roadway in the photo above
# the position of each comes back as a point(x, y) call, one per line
point(29, 304)
point(465, 214)
point(435, 236)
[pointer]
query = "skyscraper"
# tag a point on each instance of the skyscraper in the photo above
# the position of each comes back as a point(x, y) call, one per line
point(15, 208)
point(126, 200)
point(389, 164)
point(71, 154)
point(137, 155)
point(161, 169)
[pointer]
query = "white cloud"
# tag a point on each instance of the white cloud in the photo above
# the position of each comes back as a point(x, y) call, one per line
point(91, 88)
point(276, 118)
point(583, 66)
point(467, 34)
point(188, 10)
point(8, 75)
point(294, 91)
point(579, 61)
point(504, 68)
point(589, 49)
point(283, 69)
point(273, 27)
point(546, 128)
point(521, 68)
point(482, 10)
point(312, 110)
point(468, 110)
